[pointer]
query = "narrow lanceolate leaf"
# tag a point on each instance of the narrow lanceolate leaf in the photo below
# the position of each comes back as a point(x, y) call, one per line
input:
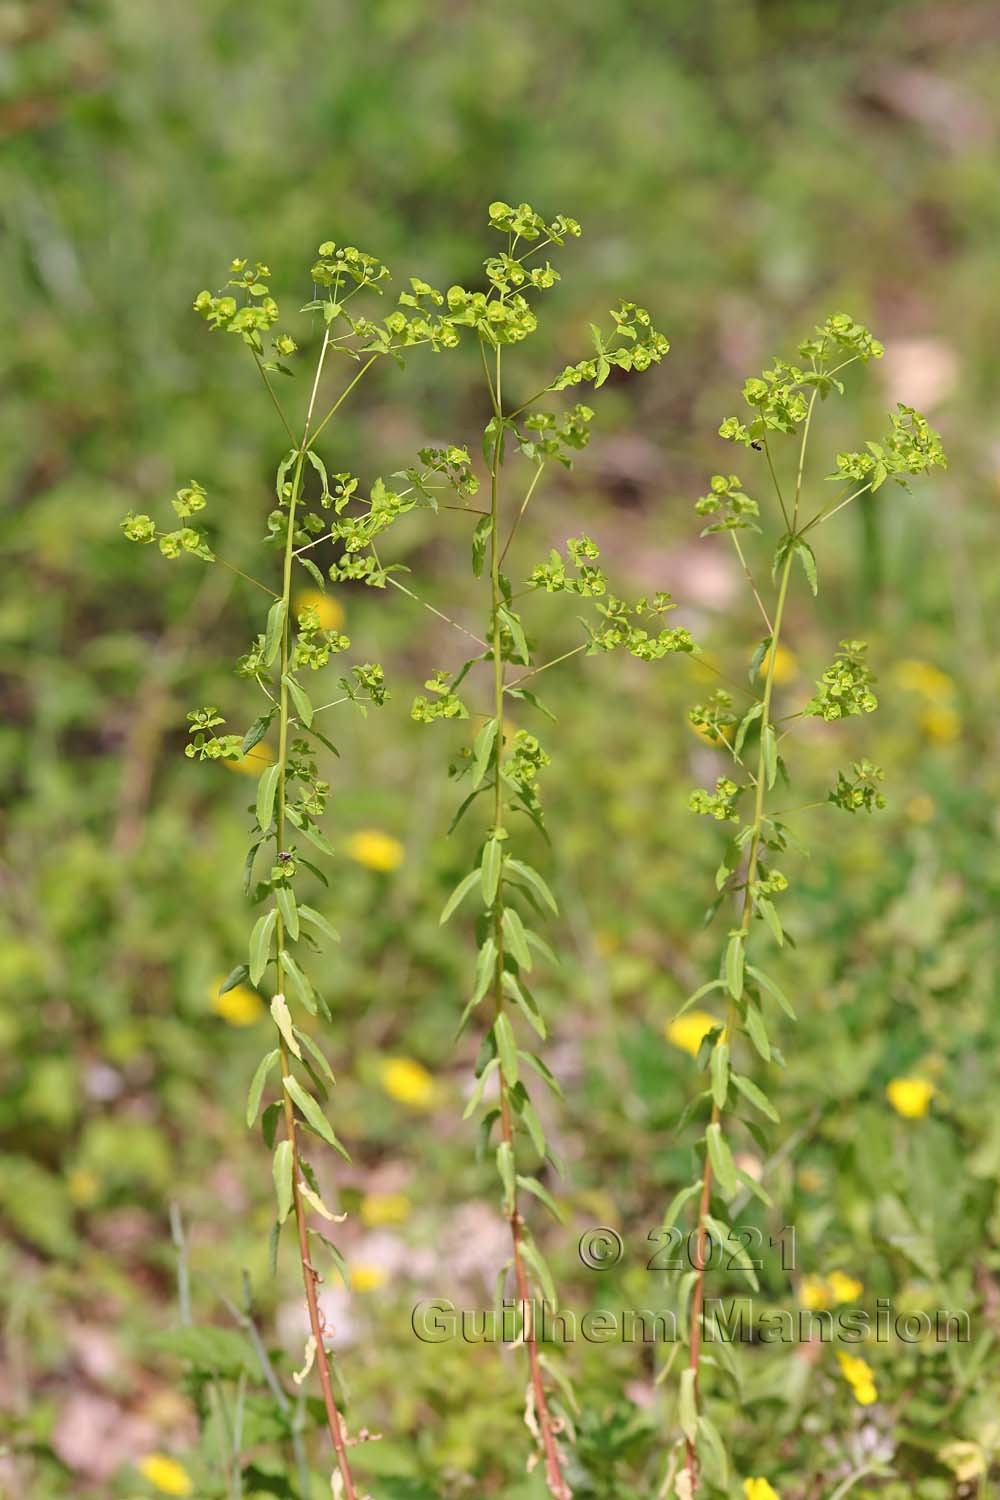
point(687, 1406)
point(505, 1166)
point(744, 724)
point(807, 558)
point(312, 1114)
point(285, 898)
point(303, 988)
point(275, 626)
point(283, 1021)
point(336, 1257)
point(260, 944)
point(712, 1446)
point(476, 1097)
point(267, 787)
point(256, 732)
point(734, 1248)
point(301, 699)
point(705, 989)
point(519, 871)
point(480, 537)
point(768, 984)
point(316, 919)
point(316, 1053)
point(757, 1097)
point(530, 1119)
point(458, 895)
point(721, 1158)
point(503, 1033)
point(770, 915)
point(543, 1275)
point(769, 751)
point(516, 938)
point(533, 1186)
point(757, 1032)
point(677, 1202)
point(491, 862)
point(482, 751)
point(720, 1073)
point(257, 1086)
point(513, 624)
point(734, 965)
point(281, 1168)
point(485, 969)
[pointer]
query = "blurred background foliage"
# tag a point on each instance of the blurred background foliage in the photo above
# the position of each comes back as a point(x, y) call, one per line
point(740, 167)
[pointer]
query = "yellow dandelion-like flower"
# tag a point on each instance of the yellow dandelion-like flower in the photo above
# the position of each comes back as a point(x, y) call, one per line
point(384, 1208)
point(910, 1097)
point(330, 610)
point(941, 723)
point(859, 1376)
point(240, 1006)
point(253, 763)
point(925, 678)
point(814, 1293)
point(408, 1081)
point(786, 668)
point(165, 1474)
point(759, 1489)
point(686, 1031)
point(367, 1278)
point(844, 1288)
point(375, 850)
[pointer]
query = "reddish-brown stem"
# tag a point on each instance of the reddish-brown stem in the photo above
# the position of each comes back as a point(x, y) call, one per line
point(698, 1297)
point(310, 1280)
point(546, 1426)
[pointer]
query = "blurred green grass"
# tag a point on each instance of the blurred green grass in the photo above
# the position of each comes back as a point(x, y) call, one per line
point(740, 168)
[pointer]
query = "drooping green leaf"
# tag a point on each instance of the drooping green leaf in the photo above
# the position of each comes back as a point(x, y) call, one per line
point(301, 699)
point(267, 787)
point(260, 944)
point(303, 988)
point(533, 1186)
point(722, 1160)
point(518, 870)
point(312, 1114)
point(273, 631)
point(769, 751)
point(757, 1097)
point(508, 1175)
point(491, 864)
point(458, 895)
point(316, 919)
point(257, 1085)
point(516, 938)
point(687, 1406)
point(772, 988)
point(734, 964)
point(283, 1021)
point(281, 1168)
point(482, 750)
point(503, 1033)
point(720, 1073)
point(285, 897)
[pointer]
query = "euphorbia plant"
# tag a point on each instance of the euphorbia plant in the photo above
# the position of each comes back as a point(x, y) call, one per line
point(313, 508)
point(499, 771)
point(782, 402)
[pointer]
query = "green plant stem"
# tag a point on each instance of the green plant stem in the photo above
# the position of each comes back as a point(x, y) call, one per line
point(310, 1277)
point(307, 443)
point(558, 1487)
point(705, 1199)
point(274, 399)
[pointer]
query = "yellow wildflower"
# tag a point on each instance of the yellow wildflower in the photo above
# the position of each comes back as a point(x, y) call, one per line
point(253, 763)
point(966, 1460)
point(759, 1489)
point(924, 678)
point(941, 723)
point(786, 669)
point(165, 1474)
point(330, 610)
point(375, 850)
point(910, 1097)
point(384, 1208)
point(859, 1376)
point(920, 809)
point(686, 1031)
point(240, 1006)
point(814, 1293)
point(366, 1278)
point(810, 1179)
point(83, 1187)
point(844, 1288)
point(408, 1081)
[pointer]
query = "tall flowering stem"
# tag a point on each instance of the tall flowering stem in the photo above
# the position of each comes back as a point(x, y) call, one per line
point(783, 402)
point(291, 796)
point(502, 765)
